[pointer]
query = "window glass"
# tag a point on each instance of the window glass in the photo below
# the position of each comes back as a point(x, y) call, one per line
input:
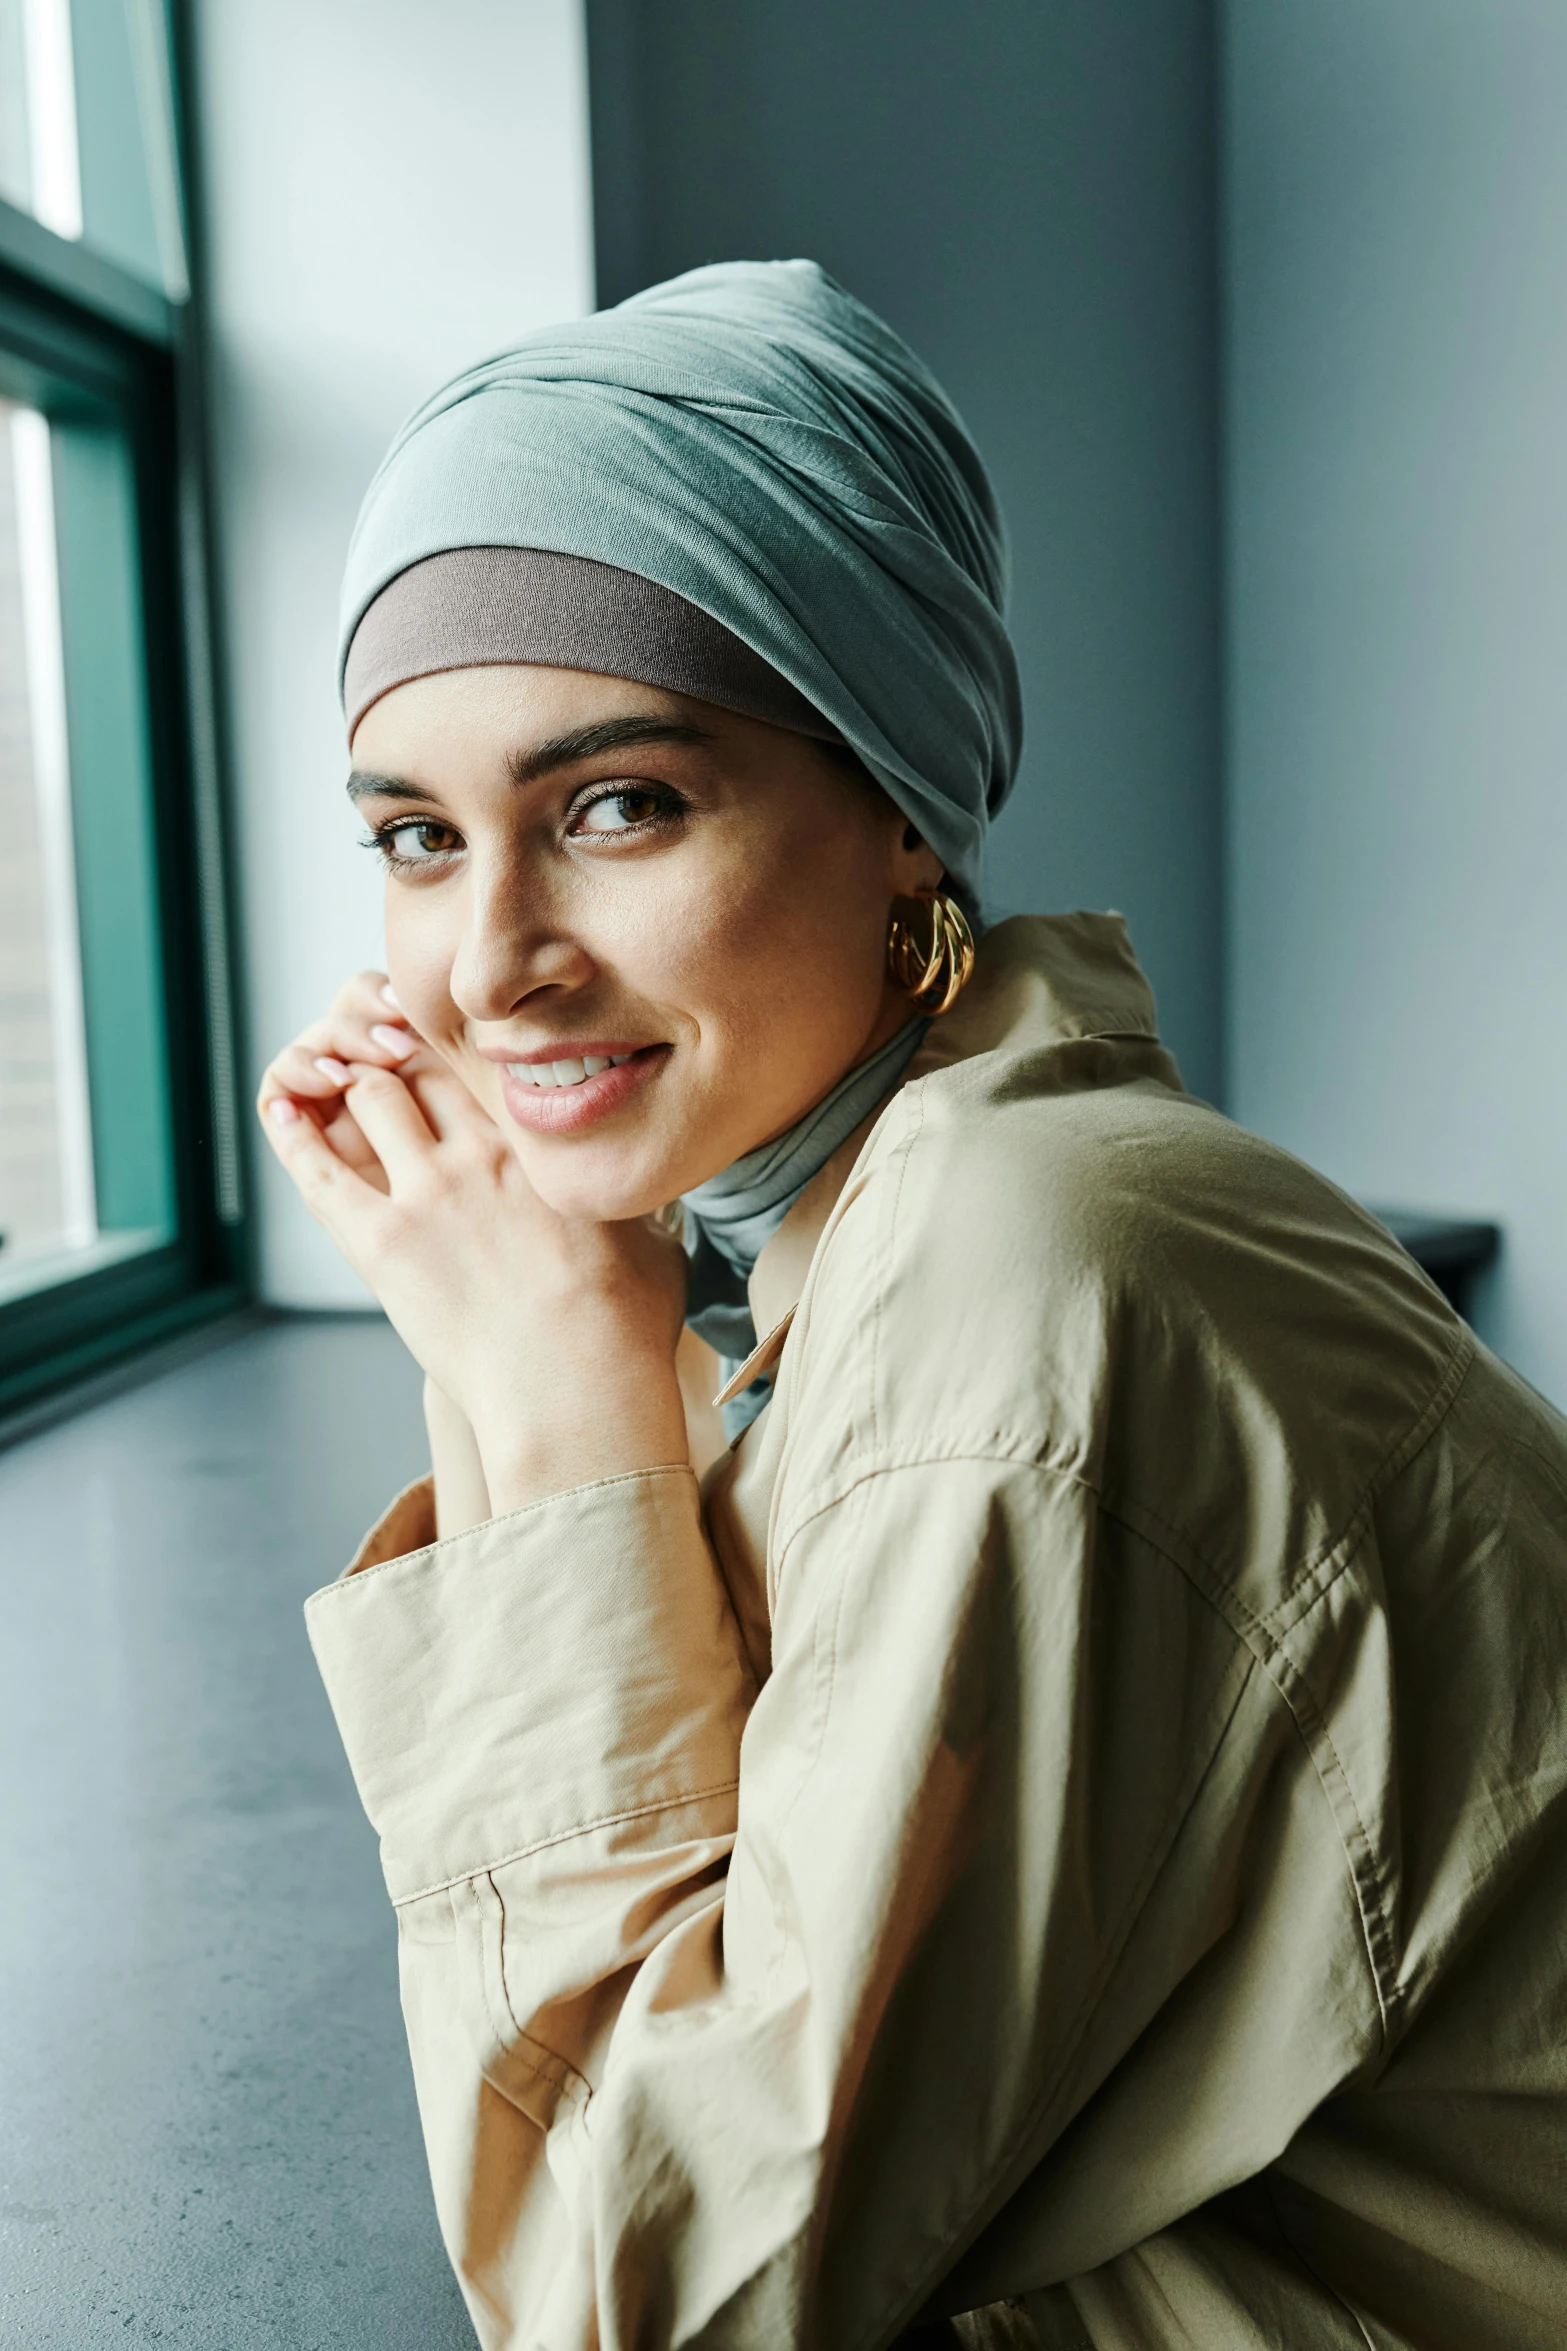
point(85, 1157)
point(125, 136)
point(121, 1216)
point(16, 160)
point(41, 170)
point(87, 129)
point(47, 1203)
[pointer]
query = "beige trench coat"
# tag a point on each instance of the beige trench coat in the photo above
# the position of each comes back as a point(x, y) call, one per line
point(1071, 1816)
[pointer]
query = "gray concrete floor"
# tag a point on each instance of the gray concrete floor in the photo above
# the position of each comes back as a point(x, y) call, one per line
point(207, 2127)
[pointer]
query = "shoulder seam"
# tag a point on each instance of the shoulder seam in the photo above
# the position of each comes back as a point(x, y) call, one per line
point(1319, 1569)
point(1254, 1637)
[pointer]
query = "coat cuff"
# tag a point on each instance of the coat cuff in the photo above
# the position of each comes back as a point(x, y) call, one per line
point(568, 1666)
point(406, 1524)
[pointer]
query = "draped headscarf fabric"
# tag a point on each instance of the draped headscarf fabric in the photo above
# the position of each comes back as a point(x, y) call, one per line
point(755, 440)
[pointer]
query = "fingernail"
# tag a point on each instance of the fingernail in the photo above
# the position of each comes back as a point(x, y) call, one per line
point(390, 993)
point(281, 1111)
point(337, 1071)
point(395, 1041)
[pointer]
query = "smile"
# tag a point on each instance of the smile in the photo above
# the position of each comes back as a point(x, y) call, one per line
point(566, 1096)
point(564, 1073)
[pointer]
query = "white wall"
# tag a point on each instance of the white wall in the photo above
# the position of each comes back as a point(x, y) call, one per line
point(1397, 407)
point(393, 187)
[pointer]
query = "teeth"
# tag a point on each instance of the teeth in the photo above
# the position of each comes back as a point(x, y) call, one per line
point(564, 1073)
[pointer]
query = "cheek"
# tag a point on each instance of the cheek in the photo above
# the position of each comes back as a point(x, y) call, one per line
point(421, 944)
point(791, 939)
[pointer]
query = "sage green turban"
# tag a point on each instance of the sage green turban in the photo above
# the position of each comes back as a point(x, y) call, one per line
point(752, 439)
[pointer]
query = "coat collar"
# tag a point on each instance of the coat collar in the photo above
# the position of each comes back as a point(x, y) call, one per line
point(1038, 980)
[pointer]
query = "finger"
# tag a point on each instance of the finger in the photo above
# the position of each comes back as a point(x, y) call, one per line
point(348, 1140)
point(448, 1106)
point(324, 1109)
point(392, 1122)
point(331, 1189)
point(347, 1037)
point(330, 1118)
point(368, 1002)
point(317, 1109)
point(296, 1070)
point(365, 1003)
point(368, 992)
point(318, 1064)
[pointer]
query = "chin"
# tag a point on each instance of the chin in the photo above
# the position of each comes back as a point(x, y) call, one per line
point(602, 1193)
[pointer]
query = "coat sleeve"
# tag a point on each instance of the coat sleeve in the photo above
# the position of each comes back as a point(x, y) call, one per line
point(737, 2016)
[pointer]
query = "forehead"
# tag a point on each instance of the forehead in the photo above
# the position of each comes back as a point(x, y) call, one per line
point(495, 713)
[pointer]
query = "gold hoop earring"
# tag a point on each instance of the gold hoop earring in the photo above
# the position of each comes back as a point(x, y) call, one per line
point(930, 951)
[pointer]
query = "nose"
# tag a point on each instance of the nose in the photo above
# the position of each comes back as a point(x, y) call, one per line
point(514, 945)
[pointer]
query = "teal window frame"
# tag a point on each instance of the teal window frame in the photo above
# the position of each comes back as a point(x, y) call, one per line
point(115, 365)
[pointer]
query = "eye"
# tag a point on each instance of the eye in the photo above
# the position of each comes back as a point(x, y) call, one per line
point(415, 840)
point(625, 808)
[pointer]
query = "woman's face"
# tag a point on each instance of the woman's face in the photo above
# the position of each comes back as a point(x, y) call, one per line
point(589, 874)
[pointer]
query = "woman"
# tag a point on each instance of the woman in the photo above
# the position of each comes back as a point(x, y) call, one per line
point(1062, 1823)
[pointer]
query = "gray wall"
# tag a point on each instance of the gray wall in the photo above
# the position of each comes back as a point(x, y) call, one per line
point(1025, 190)
point(1397, 494)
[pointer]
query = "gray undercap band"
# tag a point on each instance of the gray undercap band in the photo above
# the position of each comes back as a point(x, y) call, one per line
point(477, 606)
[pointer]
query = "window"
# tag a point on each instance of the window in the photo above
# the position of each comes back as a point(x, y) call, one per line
point(120, 1208)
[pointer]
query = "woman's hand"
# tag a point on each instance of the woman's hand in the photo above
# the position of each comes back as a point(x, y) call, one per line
point(366, 1024)
point(555, 1337)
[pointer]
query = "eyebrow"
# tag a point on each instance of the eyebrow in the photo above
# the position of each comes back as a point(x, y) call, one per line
point(589, 742)
point(526, 767)
point(363, 784)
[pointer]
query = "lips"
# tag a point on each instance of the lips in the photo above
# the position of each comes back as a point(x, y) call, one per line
point(570, 1072)
point(563, 1097)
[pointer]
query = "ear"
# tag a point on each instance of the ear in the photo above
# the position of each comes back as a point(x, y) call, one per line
point(916, 867)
